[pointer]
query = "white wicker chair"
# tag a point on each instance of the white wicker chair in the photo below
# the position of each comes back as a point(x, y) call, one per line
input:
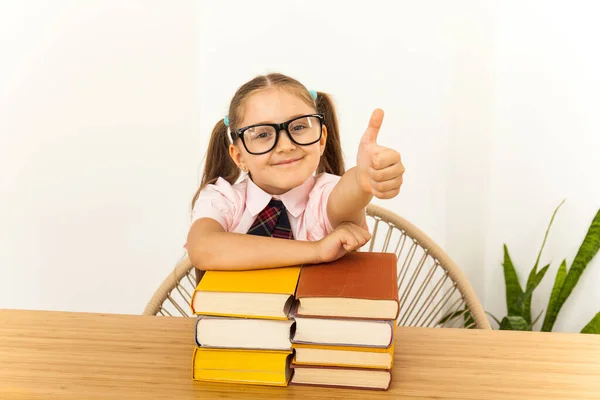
point(433, 291)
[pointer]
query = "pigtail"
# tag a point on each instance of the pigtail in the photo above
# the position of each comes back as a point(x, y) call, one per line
point(332, 161)
point(218, 162)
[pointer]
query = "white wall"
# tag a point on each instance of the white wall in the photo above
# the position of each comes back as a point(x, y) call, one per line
point(545, 145)
point(473, 92)
point(98, 150)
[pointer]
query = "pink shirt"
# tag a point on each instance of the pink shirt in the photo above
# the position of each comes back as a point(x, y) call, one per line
point(236, 206)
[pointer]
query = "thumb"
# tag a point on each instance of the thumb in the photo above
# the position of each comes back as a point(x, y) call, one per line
point(370, 135)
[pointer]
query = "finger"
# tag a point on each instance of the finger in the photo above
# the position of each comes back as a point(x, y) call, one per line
point(370, 135)
point(384, 157)
point(354, 246)
point(349, 239)
point(361, 234)
point(386, 186)
point(366, 236)
point(385, 174)
point(386, 195)
point(357, 237)
point(344, 241)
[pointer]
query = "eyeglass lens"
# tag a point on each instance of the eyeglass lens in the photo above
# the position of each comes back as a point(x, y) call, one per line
point(261, 138)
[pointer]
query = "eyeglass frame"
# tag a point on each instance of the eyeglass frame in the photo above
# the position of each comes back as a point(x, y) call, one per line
point(284, 126)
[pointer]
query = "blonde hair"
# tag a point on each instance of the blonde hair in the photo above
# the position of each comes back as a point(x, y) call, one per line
point(218, 162)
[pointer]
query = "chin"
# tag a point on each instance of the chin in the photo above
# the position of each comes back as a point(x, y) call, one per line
point(288, 181)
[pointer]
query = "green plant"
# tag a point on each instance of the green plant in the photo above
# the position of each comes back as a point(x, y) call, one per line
point(518, 301)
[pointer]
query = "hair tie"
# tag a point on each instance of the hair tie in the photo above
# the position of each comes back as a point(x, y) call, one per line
point(226, 122)
point(313, 93)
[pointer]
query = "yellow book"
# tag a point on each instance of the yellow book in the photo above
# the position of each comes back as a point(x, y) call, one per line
point(255, 367)
point(263, 293)
point(343, 356)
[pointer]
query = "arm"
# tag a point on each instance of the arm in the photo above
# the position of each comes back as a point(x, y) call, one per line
point(211, 248)
point(347, 201)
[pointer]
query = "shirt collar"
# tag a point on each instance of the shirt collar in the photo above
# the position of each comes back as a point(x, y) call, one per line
point(294, 200)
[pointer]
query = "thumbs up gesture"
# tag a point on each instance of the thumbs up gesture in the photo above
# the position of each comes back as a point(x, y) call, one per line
point(379, 169)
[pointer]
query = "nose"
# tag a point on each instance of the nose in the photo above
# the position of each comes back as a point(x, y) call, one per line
point(284, 144)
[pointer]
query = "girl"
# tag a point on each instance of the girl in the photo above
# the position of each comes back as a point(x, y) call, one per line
point(285, 140)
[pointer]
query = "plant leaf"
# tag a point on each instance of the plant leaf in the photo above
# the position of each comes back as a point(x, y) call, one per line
point(495, 319)
point(528, 289)
point(537, 261)
point(532, 284)
point(514, 293)
point(450, 316)
point(533, 274)
point(593, 326)
point(465, 313)
point(561, 274)
point(588, 249)
point(514, 323)
point(535, 320)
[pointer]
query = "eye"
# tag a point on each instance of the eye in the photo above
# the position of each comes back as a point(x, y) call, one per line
point(299, 127)
point(261, 133)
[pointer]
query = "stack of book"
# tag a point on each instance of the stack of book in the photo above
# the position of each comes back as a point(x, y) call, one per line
point(345, 318)
point(331, 324)
point(243, 326)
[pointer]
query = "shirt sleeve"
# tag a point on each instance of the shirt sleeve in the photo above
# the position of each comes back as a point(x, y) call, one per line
point(217, 201)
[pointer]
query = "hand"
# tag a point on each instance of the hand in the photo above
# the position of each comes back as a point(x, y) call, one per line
point(379, 168)
point(345, 238)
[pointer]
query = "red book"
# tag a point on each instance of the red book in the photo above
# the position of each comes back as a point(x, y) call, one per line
point(360, 285)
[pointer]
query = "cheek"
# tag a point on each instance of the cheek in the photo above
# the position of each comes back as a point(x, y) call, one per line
point(313, 157)
point(314, 151)
point(258, 162)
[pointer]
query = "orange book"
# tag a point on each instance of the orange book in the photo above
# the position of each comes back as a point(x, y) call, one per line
point(360, 285)
point(253, 367)
point(261, 293)
point(343, 356)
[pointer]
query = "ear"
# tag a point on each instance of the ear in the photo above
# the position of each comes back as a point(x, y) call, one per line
point(237, 156)
point(323, 140)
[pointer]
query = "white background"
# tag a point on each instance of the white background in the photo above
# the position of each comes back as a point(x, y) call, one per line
point(106, 107)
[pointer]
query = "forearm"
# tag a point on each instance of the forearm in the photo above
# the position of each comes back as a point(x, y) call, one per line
point(348, 200)
point(235, 251)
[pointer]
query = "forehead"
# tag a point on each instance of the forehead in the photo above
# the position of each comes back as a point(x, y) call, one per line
point(273, 105)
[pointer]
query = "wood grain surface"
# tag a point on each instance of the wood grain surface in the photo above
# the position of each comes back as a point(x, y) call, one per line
point(61, 355)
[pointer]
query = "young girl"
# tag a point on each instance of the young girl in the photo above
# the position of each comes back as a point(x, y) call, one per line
point(285, 139)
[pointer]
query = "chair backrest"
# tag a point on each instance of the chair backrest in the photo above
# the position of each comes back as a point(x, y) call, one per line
point(432, 290)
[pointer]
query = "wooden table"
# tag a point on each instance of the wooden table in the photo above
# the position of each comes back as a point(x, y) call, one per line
point(58, 355)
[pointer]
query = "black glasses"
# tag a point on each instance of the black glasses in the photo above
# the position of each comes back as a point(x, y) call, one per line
point(262, 138)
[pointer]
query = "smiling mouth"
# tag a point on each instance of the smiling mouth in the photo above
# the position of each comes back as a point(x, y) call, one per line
point(288, 162)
